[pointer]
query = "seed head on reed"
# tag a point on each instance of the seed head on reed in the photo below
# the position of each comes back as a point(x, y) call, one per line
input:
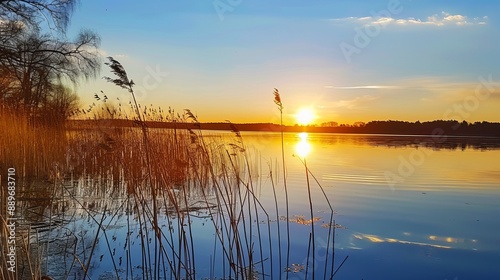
point(118, 69)
point(277, 99)
point(192, 117)
point(234, 129)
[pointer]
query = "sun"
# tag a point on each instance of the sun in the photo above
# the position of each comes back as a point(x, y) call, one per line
point(304, 116)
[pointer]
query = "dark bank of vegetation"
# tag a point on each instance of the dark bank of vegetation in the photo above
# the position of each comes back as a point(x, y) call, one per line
point(438, 127)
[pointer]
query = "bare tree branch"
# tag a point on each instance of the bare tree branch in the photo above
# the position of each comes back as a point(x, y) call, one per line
point(56, 13)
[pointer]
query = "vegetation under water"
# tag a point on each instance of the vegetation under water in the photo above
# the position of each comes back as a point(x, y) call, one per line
point(158, 175)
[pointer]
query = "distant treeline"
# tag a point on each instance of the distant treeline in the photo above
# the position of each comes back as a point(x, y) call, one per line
point(438, 127)
point(448, 127)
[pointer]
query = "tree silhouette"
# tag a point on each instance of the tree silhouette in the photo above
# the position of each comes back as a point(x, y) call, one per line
point(36, 66)
point(38, 63)
point(55, 13)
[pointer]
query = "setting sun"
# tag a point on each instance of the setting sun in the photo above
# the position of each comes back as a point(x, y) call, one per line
point(304, 116)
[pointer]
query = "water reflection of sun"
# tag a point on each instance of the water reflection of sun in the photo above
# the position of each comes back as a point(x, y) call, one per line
point(303, 148)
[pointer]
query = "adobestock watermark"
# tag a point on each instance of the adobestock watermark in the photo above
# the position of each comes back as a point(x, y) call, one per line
point(409, 163)
point(225, 6)
point(10, 222)
point(471, 102)
point(151, 81)
point(363, 35)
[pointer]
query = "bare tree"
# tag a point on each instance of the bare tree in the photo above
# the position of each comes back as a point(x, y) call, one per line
point(35, 66)
point(58, 105)
point(38, 61)
point(7, 84)
point(55, 13)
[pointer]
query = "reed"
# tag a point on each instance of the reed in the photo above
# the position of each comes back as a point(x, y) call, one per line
point(278, 102)
point(311, 212)
point(154, 188)
point(34, 149)
point(277, 221)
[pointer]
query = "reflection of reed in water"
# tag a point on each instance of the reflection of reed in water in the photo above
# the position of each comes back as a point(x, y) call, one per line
point(149, 203)
point(98, 213)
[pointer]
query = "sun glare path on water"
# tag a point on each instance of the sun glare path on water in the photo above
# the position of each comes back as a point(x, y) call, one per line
point(303, 148)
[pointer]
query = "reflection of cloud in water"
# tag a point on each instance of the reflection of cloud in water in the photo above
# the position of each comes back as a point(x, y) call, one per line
point(379, 239)
point(449, 239)
point(443, 242)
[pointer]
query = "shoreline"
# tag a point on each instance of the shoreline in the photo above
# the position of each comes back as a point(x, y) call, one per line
point(426, 129)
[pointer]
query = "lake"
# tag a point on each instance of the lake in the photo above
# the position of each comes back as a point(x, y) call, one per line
point(411, 207)
point(405, 207)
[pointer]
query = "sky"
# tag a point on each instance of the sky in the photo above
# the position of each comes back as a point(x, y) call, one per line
point(347, 61)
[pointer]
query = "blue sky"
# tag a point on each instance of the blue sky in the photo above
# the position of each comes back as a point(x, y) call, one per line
point(347, 60)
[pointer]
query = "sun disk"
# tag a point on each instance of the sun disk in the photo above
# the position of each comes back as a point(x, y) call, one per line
point(304, 116)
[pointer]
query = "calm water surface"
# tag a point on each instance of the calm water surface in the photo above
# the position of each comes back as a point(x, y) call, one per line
point(406, 207)
point(411, 207)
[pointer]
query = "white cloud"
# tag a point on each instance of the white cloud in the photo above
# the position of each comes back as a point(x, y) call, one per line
point(104, 53)
point(443, 19)
point(435, 88)
point(355, 103)
point(364, 87)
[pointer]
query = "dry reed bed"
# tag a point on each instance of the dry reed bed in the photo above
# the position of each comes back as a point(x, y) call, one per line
point(188, 173)
point(145, 178)
point(33, 149)
point(191, 174)
point(185, 173)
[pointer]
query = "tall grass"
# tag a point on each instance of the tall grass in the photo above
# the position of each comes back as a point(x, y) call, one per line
point(152, 188)
point(32, 148)
point(279, 103)
point(35, 150)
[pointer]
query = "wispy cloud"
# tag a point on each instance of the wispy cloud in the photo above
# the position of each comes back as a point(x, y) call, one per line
point(435, 88)
point(355, 103)
point(119, 55)
point(104, 53)
point(364, 87)
point(442, 19)
point(424, 83)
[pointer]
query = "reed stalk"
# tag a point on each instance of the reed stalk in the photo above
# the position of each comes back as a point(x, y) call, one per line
point(124, 82)
point(312, 236)
point(86, 270)
point(332, 224)
point(278, 102)
point(277, 223)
